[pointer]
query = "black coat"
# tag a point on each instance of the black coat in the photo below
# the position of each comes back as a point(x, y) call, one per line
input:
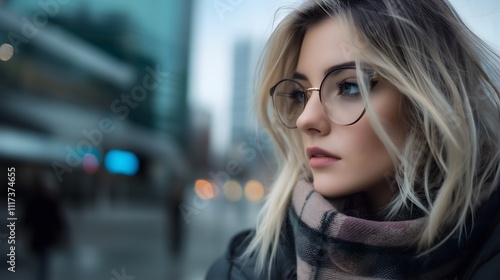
point(231, 267)
point(484, 265)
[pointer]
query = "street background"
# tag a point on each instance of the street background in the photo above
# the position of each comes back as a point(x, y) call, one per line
point(131, 128)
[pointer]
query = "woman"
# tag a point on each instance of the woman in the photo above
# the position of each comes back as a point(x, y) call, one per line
point(387, 118)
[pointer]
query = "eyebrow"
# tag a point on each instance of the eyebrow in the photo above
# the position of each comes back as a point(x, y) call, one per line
point(300, 76)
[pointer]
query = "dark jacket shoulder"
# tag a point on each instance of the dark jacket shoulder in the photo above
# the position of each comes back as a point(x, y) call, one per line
point(486, 263)
point(232, 266)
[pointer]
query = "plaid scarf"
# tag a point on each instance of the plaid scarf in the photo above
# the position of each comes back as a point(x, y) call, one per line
point(333, 245)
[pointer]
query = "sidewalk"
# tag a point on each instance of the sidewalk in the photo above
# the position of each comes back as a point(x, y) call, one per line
point(129, 242)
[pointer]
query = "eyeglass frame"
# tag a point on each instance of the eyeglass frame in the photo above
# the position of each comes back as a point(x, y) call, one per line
point(307, 96)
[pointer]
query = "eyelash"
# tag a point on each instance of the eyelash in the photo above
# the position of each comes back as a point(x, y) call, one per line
point(341, 83)
point(344, 81)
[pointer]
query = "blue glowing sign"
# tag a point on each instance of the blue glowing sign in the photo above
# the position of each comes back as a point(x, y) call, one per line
point(121, 162)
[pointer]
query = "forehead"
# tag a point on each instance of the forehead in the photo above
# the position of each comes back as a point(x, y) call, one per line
point(324, 45)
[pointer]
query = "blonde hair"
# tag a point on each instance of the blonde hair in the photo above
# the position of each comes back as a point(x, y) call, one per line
point(450, 80)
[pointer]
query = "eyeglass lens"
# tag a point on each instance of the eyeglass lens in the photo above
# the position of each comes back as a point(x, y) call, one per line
point(340, 95)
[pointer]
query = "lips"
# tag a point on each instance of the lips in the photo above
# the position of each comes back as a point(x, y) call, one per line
point(315, 152)
point(319, 158)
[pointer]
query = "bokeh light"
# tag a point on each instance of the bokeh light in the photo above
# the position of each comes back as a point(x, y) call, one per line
point(121, 162)
point(233, 190)
point(254, 191)
point(90, 163)
point(204, 189)
point(6, 52)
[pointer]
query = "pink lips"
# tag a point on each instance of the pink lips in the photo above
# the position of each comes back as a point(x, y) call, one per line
point(319, 158)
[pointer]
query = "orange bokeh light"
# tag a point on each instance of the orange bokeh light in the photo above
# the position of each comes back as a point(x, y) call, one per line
point(204, 189)
point(254, 191)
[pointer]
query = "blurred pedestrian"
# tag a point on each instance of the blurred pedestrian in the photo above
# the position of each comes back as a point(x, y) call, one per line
point(176, 228)
point(387, 117)
point(44, 220)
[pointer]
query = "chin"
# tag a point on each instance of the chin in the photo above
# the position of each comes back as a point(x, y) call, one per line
point(331, 188)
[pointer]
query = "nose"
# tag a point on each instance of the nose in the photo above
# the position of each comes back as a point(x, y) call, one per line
point(313, 119)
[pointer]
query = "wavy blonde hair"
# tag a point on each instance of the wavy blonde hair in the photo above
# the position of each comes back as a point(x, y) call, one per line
point(450, 80)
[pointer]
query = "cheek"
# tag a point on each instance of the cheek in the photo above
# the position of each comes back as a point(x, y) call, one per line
point(365, 146)
point(367, 151)
point(369, 164)
point(388, 108)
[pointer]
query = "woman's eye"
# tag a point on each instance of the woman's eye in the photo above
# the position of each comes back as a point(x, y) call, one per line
point(347, 88)
point(297, 95)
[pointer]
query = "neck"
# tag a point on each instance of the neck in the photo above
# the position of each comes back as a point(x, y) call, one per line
point(378, 198)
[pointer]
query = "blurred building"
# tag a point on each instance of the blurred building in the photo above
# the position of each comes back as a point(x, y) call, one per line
point(95, 92)
point(87, 77)
point(248, 154)
point(242, 95)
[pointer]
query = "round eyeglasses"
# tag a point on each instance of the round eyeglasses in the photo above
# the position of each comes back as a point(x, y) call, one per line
point(339, 93)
